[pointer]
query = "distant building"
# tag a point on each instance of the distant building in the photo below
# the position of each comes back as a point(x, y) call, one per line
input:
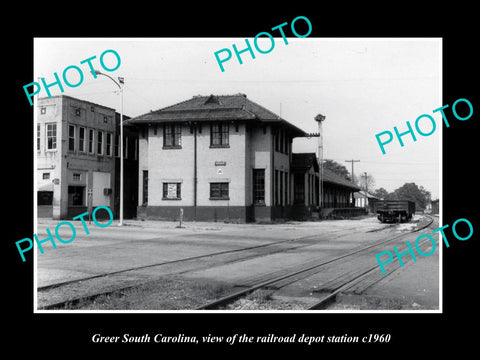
point(337, 192)
point(77, 148)
point(364, 199)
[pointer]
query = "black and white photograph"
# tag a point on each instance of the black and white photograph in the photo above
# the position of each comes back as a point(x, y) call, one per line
point(271, 181)
point(263, 187)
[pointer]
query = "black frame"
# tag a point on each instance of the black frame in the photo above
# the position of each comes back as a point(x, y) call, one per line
point(219, 191)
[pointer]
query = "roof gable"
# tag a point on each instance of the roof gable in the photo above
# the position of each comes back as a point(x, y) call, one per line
point(212, 99)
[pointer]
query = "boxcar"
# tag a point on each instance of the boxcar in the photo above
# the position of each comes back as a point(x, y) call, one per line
point(395, 210)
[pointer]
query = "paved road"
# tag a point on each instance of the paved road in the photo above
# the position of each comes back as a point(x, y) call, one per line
point(141, 243)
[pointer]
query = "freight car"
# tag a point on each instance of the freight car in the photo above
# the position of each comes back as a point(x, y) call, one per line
point(394, 210)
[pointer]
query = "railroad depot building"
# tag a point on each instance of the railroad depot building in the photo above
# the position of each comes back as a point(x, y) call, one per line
point(337, 192)
point(78, 158)
point(221, 158)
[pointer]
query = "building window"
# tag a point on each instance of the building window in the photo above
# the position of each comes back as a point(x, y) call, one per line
point(135, 145)
point(105, 119)
point(281, 142)
point(285, 188)
point(77, 176)
point(219, 135)
point(259, 186)
point(125, 147)
point(100, 142)
point(46, 176)
point(219, 191)
point(38, 137)
point(172, 191)
point(117, 145)
point(276, 187)
point(109, 144)
point(71, 137)
point(77, 111)
point(299, 189)
point(75, 195)
point(172, 136)
point(43, 110)
point(81, 139)
point(51, 136)
point(45, 198)
point(280, 188)
point(90, 141)
point(145, 188)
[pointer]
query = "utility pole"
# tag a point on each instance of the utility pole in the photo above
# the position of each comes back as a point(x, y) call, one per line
point(121, 80)
point(352, 161)
point(366, 188)
point(366, 183)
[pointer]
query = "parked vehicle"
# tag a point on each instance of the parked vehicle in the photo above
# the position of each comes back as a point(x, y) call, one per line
point(394, 210)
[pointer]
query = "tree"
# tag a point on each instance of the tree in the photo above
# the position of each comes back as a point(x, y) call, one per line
point(365, 183)
point(381, 193)
point(337, 168)
point(427, 194)
point(410, 191)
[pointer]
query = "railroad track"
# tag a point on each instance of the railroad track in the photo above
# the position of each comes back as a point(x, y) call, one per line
point(258, 251)
point(298, 273)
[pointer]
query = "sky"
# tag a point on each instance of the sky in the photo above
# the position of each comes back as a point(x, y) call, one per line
point(362, 85)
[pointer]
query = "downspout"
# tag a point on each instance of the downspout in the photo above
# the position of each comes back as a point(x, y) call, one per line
point(195, 171)
point(272, 181)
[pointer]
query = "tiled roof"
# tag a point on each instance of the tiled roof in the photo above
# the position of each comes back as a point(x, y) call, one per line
point(213, 108)
point(330, 177)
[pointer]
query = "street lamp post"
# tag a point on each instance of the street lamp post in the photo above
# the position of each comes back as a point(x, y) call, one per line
point(120, 81)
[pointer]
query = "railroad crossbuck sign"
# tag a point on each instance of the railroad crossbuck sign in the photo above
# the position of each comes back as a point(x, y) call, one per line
point(423, 122)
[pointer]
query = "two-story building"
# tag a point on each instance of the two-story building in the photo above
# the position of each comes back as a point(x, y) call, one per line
point(216, 158)
point(77, 157)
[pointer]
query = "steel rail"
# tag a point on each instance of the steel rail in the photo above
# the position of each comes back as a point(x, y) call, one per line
point(52, 286)
point(232, 297)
